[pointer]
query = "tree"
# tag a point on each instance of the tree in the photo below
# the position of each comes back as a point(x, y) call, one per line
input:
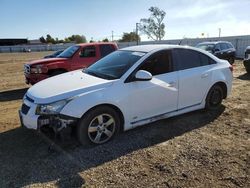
point(42, 39)
point(105, 40)
point(153, 26)
point(49, 39)
point(130, 37)
point(76, 38)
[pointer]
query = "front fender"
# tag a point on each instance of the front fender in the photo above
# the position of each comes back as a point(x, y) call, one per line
point(81, 104)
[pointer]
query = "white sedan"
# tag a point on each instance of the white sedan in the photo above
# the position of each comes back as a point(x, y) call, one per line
point(128, 88)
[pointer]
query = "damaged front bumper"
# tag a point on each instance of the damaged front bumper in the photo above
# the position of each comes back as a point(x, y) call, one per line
point(55, 122)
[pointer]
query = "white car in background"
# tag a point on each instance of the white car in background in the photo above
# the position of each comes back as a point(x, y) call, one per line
point(128, 88)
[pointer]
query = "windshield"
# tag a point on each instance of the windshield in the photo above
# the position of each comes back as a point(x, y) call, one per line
point(69, 52)
point(114, 65)
point(207, 47)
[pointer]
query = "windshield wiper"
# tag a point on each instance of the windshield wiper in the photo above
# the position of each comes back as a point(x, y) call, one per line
point(99, 75)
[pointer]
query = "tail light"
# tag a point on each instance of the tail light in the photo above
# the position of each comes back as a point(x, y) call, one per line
point(231, 68)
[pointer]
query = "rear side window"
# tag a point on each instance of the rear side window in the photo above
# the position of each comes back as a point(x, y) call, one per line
point(106, 49)
point(88, 51)
point(205, 60)
point(186, 59)
point(158, 63)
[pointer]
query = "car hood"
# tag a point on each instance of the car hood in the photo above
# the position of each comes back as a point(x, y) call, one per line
point(65, 86)
point(46, 61)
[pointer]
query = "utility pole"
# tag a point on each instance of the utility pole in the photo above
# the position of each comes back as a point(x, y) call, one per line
point(137, 35)
point(112, 36)
point(219, 32)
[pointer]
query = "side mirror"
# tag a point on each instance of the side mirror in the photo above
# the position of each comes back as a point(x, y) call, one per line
point(216, 50)
point(143, 75)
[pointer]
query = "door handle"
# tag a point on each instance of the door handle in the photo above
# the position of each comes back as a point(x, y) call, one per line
point(204, 75)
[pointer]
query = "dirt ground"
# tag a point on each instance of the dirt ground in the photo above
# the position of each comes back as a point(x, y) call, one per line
point(197, 149)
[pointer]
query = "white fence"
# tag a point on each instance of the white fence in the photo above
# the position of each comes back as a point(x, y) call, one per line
point(35, 48)
point(240, 43)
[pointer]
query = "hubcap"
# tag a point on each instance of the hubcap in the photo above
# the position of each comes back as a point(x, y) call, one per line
point(215, 97)
point(101, 128)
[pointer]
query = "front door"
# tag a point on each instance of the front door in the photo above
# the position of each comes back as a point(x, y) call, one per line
point(159, 96)
point(84, 58)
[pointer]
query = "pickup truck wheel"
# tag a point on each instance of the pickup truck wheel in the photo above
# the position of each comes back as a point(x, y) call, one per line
point(231, 60)
point(214, 98)
point(57, 72)
point(98, 126)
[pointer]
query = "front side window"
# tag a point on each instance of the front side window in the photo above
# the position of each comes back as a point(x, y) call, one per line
point(217, 47)
point(114, 65)
point(158, 63)
point(69, 52)
point(88, 51)
point(223, 46)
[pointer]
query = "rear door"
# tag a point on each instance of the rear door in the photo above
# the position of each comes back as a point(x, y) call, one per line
point(194, 73)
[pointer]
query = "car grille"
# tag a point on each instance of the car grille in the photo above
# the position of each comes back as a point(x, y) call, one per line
point(25, 109)
point(26, 69)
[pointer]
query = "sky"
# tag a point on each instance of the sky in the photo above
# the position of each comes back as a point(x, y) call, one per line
point(96, 19)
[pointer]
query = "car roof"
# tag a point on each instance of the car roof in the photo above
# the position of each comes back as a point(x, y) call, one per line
point(214, 42)
point(157, 47)
point(152, 47)
point(95, 43)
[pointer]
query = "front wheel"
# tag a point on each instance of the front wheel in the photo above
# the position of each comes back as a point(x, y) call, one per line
point(214, 98)
point(98, 126)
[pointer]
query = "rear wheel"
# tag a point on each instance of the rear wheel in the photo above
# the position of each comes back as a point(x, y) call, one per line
point(214, 98)
point(98, 126)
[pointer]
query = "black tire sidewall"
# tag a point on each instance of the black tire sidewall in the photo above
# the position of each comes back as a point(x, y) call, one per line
point(82, 127)
point(208, 98)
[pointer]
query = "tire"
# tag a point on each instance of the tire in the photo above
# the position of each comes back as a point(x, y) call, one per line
point(214, 98)
point(231, 60)
point(57, 72)
point(98, 126)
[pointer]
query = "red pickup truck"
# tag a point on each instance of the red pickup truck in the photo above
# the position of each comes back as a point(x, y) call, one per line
point(75, 57)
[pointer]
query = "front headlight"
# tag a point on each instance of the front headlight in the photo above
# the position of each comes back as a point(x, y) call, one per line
point(52, 108)
point(38, 69)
